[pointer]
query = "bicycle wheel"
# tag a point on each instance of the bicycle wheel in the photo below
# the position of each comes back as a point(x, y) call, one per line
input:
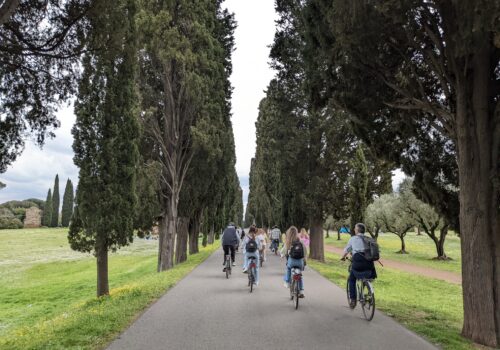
point(369, 300)
point(227, 272)
point(292, 288)
point(250, 280)
point(348, 297)
point(297, 292)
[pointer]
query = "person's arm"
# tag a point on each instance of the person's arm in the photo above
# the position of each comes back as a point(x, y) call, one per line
point(347, 249)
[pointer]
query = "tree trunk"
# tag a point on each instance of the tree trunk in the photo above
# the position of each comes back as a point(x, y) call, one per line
point(168, 228)
point(182, 240)
point(328, 232)
point(102, 271)
point(441, 255)
point(418, 231)
point(403, 245)
point(338, 235)
point(477, 148)
point(211, 235)
point(317, 248)
point(194, 232)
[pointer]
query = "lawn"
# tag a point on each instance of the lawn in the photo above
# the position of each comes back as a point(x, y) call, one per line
point(430, 307)
point(47, 291)
point(421, 250)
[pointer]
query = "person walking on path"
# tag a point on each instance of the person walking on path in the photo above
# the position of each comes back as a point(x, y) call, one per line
point(295, 253)
point(251, 247)
point(304, 237)
point(361, 268)
point(261, 236)
point(229, 241)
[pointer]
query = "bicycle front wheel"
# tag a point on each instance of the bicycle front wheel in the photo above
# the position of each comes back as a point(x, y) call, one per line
point(369, 300)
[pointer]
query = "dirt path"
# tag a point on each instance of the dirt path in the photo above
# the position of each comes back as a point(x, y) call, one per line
point(447, 276)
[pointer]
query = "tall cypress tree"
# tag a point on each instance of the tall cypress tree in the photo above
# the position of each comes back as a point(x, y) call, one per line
point(47, 210)
point(105, 138)
point(358, 199)
point(67, 206)
point(55, 204)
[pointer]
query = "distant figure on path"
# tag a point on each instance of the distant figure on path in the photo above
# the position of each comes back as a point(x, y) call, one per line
point(229, 240)
point(304, 237)
point(295, 253)
point(261, 236)
point(275, 238)
point(361, 268)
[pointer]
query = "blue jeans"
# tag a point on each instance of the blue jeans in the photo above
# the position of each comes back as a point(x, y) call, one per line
point(294, 263)
point(247, 262)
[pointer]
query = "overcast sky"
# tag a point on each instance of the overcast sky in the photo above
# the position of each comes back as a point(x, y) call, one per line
point(33, 173)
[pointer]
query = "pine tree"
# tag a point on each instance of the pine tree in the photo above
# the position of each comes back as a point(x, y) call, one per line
point(47, 210)
point(105, 138)
point(67, 206)
point(55, 204)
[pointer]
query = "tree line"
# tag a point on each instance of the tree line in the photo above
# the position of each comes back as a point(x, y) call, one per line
point(153, 137)
point(414, 85)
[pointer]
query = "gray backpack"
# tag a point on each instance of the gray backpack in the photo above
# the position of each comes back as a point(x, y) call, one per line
point(372, 251)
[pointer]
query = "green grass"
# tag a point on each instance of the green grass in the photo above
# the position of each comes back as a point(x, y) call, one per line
point(421, 250)
point(430, 307)
point(47, 291)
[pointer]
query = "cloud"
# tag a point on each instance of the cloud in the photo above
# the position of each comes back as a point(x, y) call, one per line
point(33, 172)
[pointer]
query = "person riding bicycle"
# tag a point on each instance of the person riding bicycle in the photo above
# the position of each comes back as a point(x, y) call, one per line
point(275, 238)
point(251, 246)
point(295, 252)
point(361, 268)
point(229, 241)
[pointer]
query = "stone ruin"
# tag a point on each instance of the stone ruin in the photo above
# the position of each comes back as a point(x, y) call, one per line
point(33, 218)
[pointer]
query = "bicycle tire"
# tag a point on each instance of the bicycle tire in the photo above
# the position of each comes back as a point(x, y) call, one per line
point(352, 307)
point(292, 287)
point(297, 292)
point(368, 305)
point(227, 273)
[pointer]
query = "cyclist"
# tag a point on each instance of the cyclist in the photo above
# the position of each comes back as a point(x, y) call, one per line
point(304, 237)
point(229, 241)
point(275, 238)
point(361, 268)
point(251, 247)
point(261, 236)
point(295, 252)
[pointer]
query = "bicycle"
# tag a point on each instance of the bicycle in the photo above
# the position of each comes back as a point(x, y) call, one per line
point(295, 286)
point(227, 268)
point(364, 294)
point(252, 272)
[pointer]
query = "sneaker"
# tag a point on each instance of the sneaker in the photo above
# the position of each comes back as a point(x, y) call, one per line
point(301, 294)
point(234, 264)
point(224, 270)
point(256, 283)
point(286, 285)
point(352, 303)
point(245, 270)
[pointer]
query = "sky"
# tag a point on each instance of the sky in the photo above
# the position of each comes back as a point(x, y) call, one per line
point(33, 172)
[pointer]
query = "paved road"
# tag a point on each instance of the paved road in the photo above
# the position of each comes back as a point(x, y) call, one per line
point(206, 311)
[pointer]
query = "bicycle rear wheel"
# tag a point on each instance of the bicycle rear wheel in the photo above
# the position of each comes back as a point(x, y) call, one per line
point(369, 300)
point(292, 289)
point(297, 292)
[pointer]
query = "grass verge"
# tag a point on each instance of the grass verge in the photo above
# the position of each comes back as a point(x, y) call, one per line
point(429, 307)
point(53, 306)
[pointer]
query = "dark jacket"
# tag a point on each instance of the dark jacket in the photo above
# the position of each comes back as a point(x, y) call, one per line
point(230, 237)
point(362, 268)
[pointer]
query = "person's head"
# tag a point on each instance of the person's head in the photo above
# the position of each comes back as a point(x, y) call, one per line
point(260, 231)
point(275, 226)
point(360, 228)
point(292, 234)
point(231, 224)
point(252, 231)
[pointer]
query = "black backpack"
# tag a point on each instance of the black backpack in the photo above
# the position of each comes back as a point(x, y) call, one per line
point(297, 250)
point(251, 246)
point(372, 251)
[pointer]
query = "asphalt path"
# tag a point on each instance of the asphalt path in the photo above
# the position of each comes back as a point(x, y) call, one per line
point(207, 311)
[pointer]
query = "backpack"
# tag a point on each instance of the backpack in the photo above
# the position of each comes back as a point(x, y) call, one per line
point(372, 251)
point(251, 246)
point(297, 250)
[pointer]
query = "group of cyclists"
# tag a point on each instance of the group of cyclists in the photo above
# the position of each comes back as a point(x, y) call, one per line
point(254, 243)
